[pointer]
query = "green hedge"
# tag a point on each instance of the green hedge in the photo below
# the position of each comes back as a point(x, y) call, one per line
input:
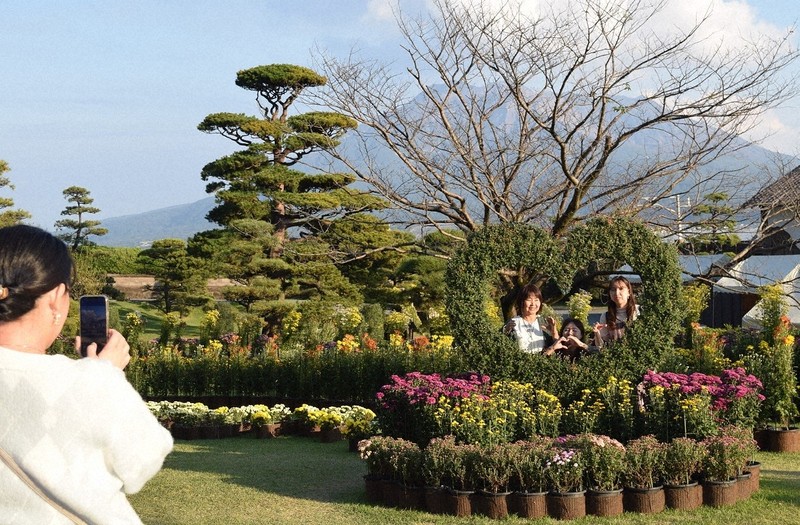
point(312, 377)
point(474, 268)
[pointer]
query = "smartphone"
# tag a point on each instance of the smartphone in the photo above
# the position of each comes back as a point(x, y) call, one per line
point(93, 321)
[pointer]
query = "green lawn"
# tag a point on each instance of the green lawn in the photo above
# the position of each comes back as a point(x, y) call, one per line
point(297, 480)
point(153, 318)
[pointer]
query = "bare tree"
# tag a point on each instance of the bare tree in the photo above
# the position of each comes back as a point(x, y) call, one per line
point(506, 116)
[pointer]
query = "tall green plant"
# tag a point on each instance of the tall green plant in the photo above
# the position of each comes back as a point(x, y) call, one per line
point(770, 310)
point(579, 305)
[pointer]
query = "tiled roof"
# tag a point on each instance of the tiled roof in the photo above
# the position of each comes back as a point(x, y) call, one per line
point(785, 190)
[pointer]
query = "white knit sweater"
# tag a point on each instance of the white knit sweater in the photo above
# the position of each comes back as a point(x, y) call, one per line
point(80, 430)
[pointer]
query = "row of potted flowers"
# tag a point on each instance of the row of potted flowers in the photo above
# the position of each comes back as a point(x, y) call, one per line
point(197, 421)
point(400, 473)
point(474, 409)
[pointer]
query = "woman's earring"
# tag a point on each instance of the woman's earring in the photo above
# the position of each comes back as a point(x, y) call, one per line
point(56, 317)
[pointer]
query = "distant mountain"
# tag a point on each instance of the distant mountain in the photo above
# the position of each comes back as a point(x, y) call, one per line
point(141, 229)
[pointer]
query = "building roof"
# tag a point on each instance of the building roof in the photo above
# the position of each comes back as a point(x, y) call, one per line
point(759, 270)
point(691, 266)
point(785, 190)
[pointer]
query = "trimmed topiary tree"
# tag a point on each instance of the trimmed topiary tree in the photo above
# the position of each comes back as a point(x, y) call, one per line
point(618, 240)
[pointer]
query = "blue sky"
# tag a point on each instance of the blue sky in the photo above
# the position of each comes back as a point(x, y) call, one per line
point(107, 95)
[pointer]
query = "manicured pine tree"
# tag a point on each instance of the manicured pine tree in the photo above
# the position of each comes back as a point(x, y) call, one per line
point(78, 227)
point(274, 218)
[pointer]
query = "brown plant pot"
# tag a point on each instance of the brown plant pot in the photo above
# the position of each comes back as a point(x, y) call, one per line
point(230, 430)
point(784, 440)
point(331, 435)
point(270, 430)
point(761, 438)
point(754, 468)
point(606, 503)
point(530, 505)
point(743, 486)
point(566, 505)
point(720, 493)
point(435, 500)
point(683, 497)
point(491, 504)
point(459, 503)
point(373, 487)
point(185, 432)
point(412, 498)
point(644, 501)
point(391, 492)
point(352, 444)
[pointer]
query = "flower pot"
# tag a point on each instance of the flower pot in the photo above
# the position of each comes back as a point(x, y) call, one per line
point(185, 432)
point(208, 432)
point(683, 497)
point(459, 502)
point(435, 499)
point(310, 431)
point(566, 505)
point(290, 427)
point(644, 501)
point(784, 440)
point(330, 435)
point(230, 430)
point(270, 430)
point(491, 504)
point(761, 438)
point(528, 504)
point(754, 468)
point(604, 502)
point(373, 487)
point(391, 490)
point(720, 493)
point(412, 498)
point(743, 486)
point(352, 444)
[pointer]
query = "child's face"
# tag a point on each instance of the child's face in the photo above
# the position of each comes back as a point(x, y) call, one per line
point(572, 329)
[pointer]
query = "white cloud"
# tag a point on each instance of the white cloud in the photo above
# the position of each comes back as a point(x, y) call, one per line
point(380, 10)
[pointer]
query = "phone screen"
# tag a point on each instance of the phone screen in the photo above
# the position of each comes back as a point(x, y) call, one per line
point(94, 321)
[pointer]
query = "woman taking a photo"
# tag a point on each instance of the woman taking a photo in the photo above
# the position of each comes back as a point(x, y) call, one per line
point(75, 436)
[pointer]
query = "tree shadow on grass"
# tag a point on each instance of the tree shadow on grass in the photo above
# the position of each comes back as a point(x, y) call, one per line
point(296, 467)
point(783, 486)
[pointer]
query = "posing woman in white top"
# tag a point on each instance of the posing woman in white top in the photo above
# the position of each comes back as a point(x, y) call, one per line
point(526, 328)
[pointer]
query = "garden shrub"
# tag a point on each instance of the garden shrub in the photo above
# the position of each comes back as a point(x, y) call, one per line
point(373, 320)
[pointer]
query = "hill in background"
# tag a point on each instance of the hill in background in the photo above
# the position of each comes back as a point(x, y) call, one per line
point(141, 229)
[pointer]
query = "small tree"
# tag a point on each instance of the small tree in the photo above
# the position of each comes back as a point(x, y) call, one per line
point(715, 224)
point(180, 282)
point(771, 309)
point(9, 217)
point(80, 228)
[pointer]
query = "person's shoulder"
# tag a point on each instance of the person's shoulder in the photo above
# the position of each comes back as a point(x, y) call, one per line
point(96, 370)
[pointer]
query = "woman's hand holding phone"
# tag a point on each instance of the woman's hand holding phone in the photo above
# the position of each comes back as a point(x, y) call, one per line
point(116, 350)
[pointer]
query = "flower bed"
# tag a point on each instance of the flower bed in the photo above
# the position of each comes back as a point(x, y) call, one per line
point(197, 421)
point(476, 410)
